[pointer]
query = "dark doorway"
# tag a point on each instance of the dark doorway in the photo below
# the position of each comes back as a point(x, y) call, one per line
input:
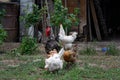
point(111, 13)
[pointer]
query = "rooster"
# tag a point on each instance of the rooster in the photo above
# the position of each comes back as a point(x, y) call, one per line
point(51, 43)
point(66, 40)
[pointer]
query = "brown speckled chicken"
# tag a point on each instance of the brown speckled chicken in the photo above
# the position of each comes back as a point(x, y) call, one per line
point(69, 56)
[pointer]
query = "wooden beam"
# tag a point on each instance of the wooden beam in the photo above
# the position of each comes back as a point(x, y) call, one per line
point(99, 13)
point(83, 14)
point(89, 20)
point(95, 20)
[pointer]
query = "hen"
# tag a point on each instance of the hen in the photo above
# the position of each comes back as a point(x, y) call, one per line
point(54, 62)
point(52, 44)
point(66, 40)
point(69, 56)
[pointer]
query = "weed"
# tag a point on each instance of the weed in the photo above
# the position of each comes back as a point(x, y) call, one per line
point(3, 34)
point(28, 45)
point(15, 52)
point(112, 50)
point(88, 51)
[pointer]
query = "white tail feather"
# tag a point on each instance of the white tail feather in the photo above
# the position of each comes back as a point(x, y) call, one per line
point(61, 52)
point(62, 32)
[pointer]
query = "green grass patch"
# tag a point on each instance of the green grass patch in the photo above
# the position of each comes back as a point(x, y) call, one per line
point(31, 67)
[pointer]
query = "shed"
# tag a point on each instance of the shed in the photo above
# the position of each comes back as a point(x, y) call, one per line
point(99, 19)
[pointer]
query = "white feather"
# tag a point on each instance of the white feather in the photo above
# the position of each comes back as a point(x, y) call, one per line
point(68, 45)
point(54, 62)
point(61, 32)
point(67, 40)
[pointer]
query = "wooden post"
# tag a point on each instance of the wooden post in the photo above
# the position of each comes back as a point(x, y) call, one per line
point(101, 18)
point(79, 19)
point(44, 38)
point(95, 20)
point(83, 14)
point(89, 20)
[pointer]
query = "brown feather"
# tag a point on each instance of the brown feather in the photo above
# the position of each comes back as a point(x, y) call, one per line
point(69, 56)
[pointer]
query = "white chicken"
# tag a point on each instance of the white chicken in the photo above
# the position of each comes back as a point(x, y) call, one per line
point(67, 40)
point(54, 62)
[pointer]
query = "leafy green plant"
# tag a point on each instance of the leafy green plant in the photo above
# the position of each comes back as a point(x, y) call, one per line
point(88, 51)
point(33, 17)
point(61, 16)
point(112, 50)
point(28, 45)
point(2, 13)
point(15, 52)
point(3, 33)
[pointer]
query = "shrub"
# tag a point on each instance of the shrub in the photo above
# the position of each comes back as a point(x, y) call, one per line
point(2, 13)
point(3, 34)
point(61, 16)
point(28, 45)
point(33, 17)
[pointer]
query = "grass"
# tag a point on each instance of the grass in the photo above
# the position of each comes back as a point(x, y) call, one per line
point(112, 50)
point(31, 67)
point(88, 51)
